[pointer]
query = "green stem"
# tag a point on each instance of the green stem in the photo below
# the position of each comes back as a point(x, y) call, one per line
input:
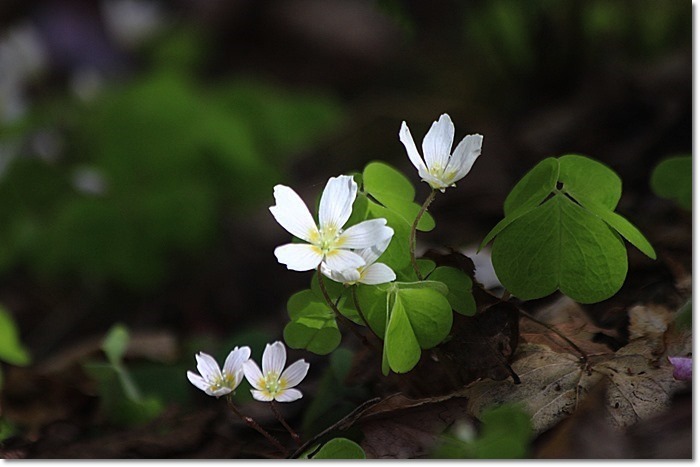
point(359, 312)
point(254, 425)
point(341, 317)
point(284, 423)
point(414, 227)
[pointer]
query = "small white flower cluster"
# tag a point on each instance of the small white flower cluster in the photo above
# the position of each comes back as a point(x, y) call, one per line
point(272, 383)
point(349, 256)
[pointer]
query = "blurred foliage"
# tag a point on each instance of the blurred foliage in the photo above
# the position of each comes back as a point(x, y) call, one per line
point(526, 45)
point(672, 179)
point(147, 169)
point(11, 349)
point(505, 434)
point(120, 399)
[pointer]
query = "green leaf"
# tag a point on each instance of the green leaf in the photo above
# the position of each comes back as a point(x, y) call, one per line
point(340, 448)
point(391, 188)
point(673, 179)
point(401, 344)
point(533, 188)
point(584, 178)
point(313, 326)
point(11, 349)
point(419, 318)
point(622, 226)
point(560, 245)
point(460, 289)
point(115, 343)
point(397, 255)
point(373, 302)
point(505, 433)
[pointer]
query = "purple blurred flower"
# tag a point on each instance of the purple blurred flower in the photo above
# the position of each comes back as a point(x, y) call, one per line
point(682, 368)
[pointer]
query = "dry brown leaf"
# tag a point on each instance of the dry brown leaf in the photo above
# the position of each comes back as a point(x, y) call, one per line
point(570, 319)
point(403, 428)
point(554, 383)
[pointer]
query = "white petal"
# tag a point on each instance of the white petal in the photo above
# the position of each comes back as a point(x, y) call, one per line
point(219, 392)
point(289, 395)
point(295, 373)
point(252, 373)
point(464, 157)
point(207, 366)
point(335, 207)
point(292, 214)
point(299, 256)
point(407, 140)
point(261, 396)
point(365, 234)
point(372, 254)
point(235, 359)
point(197, 380)
point(377, 273)
point(342, 260)
point(344, 277)
point(274, 358)
point(437, 143)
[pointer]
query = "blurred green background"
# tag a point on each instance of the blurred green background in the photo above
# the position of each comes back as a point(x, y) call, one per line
point(140, 140)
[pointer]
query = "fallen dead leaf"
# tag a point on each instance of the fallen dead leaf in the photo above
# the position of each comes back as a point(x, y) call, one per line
point(554, 383)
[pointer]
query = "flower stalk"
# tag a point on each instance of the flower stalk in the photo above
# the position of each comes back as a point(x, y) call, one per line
point(254, 425)
point(284, 423)
point(414, 228)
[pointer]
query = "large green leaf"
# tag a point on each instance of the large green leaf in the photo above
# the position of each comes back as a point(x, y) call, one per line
point(391, 188)
point(313, 326)
point(400, 343)
point(397, 255)
point(560, 245)
point(11, 349)
point(673, 179)
point(585, 178)
point(534, 187)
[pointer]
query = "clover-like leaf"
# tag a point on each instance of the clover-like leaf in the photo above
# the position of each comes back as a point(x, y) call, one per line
point(560, 231)
point(312, 326)
point(393, 190)
point(420, 318)
point(459, 286)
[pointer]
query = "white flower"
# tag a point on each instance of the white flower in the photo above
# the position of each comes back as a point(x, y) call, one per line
point(213, 380)
point(328, 242)
point(372, 273)
point(272, 383)
point(442, 169)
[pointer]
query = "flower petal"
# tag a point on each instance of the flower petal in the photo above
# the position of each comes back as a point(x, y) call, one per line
point(252, 373)
point(299, 256)
point(207, 366)
point(343, 260)
point(407, 140)
point(365, 234)
point(234, 362)
point(464, 157)
point(335, 207)
point(292, 214)
point(344, 277)
point(294, 374)
point(262, 396)
point(377, 273)
point(219, 392)
point(437, 143)
point(197, 380)
point(274, 358)
point(289, 395)
point(372, 254)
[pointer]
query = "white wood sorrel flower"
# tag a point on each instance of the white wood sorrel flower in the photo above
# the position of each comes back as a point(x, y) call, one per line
point(372, 273)
point(327, 242)
point(440, 168)
point(272, 383)
point(213, 380)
